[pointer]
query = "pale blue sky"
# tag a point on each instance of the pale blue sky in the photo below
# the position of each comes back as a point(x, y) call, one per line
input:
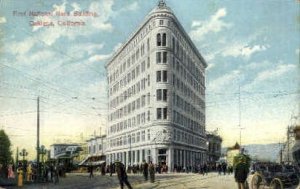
point(254, 44)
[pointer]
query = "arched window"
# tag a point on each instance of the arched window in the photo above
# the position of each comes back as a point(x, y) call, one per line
point(164, 39)
point(158, 39)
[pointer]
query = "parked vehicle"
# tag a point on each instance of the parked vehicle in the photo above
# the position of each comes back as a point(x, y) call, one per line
point(274, 175)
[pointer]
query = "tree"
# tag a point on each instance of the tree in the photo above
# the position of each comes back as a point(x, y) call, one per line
point(5, 152)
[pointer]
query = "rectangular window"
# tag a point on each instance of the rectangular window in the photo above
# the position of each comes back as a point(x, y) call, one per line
point(158, 76)
point(148, 115)
point(148, 137)
point(148, 79)
point(158, 94)
point(164, 39)
point(161, 22)
point(165, 57)
point(165, 113)
point(158, 57)
point(143, 66)
point(148, 62)
point(158, 113)
point(165, 76)
point(165, 94)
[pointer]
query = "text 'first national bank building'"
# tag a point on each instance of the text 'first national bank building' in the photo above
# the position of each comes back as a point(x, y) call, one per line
point(157, 96)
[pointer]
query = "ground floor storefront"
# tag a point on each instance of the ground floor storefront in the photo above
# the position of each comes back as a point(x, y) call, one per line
point(175, 158)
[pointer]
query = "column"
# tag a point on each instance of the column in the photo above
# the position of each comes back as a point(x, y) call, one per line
point(184, 158)
point(170, 159)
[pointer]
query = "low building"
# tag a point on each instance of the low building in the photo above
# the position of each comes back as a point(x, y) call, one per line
point(214, 147)
point(64, 150)
point(96, 148)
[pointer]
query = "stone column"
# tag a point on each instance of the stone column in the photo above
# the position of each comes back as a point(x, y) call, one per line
point(170, 159)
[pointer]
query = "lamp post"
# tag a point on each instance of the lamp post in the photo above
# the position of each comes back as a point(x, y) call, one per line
point(23, 153)
point(42, 152)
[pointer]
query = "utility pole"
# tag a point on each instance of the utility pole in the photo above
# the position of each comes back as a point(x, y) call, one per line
point(240, 116)
point(38, 138)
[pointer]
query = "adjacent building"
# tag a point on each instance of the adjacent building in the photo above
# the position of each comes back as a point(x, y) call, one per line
point(157, 96)
point(214, 147)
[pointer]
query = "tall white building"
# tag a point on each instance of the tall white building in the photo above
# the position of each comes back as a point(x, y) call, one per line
point(157, 96)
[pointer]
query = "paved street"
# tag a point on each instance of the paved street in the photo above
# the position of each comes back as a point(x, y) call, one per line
point(174, 181)
point(163, 181)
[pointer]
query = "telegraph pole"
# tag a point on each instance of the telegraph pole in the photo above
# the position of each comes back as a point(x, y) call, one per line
point(38, 138)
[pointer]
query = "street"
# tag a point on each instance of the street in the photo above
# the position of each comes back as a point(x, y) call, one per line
point(171, 180)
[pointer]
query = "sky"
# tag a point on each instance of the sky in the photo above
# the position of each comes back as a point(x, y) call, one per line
point(251, 48)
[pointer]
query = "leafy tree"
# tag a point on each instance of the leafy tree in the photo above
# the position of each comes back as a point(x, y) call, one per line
point(5, 152)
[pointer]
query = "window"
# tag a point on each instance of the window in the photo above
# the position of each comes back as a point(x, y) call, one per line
point(158, 57)
point(158, 39)
point(164, 57)
point(143, 66)
point(148, 135)
point(161, 22)
point(143, 136)
point(148, 115)
point(164, 39)
point(158, 113)
point(158, 76)
point(165, 113)
point(165, 94)
point(148, 62)
point(161, 94)
point(165, 76)
point(148, 44)
point(158, 94)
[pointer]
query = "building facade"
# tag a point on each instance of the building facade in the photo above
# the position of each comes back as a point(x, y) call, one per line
point(214, 147)
point(157, 96)
point(96, 146)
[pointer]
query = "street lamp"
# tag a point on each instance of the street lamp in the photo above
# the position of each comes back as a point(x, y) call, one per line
point(23, 153)
point(42, 151)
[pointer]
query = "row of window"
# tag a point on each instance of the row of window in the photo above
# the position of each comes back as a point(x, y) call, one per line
point(130, 123)
point(140, 52)
point(131, 91)
point(187, 92)
point(130, 76)
point(187, 107)
point(130, 107)
point(130, 139)
point(188, 123)
point(187, 61)
point(184, 137)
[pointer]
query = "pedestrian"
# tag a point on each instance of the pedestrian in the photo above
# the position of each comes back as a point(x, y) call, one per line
point(55, 174)
point(111, 168)
point(10, 171)
point(151, 172)
point(224, 167)
point(122, 176)
point(145, 170)
point(241, 165)
point(90, 170)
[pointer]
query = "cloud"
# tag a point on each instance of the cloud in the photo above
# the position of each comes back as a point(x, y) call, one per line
point(269, 73)
point(21, 47)
point(2, 20)
point(278, 71)
point(242, 50)
point(104, 11)
point(223, 81)
point(99, 57)
point(214, 24)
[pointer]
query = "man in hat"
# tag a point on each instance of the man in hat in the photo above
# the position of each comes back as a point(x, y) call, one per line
point(145, 170)
point(122, 176)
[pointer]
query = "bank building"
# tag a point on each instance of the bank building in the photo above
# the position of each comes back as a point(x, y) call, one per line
point(156, 84)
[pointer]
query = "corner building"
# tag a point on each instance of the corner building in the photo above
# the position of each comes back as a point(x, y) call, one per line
point(157, 96)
